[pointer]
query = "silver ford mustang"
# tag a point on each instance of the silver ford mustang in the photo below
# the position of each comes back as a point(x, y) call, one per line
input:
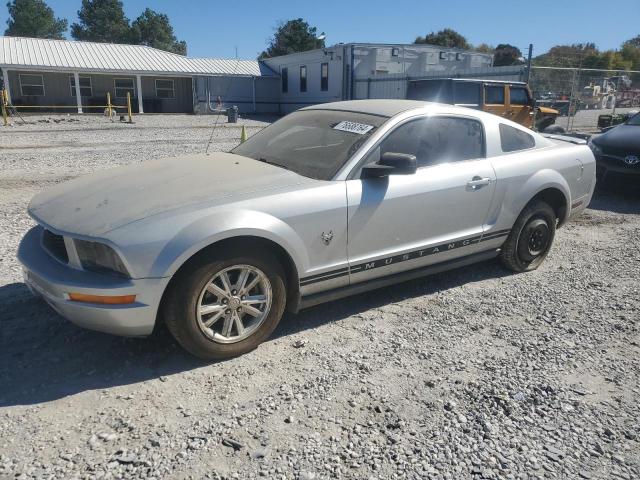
point(329, 201)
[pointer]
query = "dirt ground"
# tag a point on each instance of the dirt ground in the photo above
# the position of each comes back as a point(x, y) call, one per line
point(475, 373)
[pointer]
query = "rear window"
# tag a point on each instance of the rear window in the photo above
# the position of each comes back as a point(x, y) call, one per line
point(513, 139)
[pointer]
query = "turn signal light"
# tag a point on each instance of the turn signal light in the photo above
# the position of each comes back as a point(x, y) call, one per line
point(105, 300)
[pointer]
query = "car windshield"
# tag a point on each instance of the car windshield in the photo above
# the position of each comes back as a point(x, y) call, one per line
point(312, 143)
point(635, 120)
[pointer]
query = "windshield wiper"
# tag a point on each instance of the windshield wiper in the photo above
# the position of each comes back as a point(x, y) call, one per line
point(264, 160)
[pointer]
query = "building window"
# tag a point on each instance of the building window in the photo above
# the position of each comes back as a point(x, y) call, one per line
point(303, 78)
point(124, 86)
point(324, 77)
point(165, 88)
point(85, 86)
point(284, 73)
point(31, 85)
point(395, 52)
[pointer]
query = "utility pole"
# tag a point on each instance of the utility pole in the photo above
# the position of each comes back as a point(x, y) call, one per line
point(529, 62)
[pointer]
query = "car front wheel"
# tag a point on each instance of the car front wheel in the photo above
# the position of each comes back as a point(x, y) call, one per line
point(225, 305)
point(530, 239)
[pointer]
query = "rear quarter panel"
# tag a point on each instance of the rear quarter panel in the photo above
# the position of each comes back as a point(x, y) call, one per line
point(522, 175)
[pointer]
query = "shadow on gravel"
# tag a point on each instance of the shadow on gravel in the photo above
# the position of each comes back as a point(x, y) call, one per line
point(44, 357)
point(617, 195)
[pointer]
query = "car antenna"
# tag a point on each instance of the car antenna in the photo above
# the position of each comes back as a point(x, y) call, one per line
point(215, 125)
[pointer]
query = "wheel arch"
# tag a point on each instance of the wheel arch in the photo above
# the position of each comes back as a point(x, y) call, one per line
point(551, 187)
point(557, 200)
point(249, 243)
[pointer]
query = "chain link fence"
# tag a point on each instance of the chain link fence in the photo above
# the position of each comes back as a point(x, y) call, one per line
point(586, 98)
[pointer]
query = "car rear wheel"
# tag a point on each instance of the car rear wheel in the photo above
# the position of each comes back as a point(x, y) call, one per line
point(530, 239)
point(225, 305)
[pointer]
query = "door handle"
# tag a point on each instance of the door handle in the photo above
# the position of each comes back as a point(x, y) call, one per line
point(477, 182)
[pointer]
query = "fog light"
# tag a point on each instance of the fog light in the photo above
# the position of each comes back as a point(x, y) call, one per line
point(105, 300)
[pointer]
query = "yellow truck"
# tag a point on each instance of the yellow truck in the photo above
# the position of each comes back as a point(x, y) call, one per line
point(511, 100)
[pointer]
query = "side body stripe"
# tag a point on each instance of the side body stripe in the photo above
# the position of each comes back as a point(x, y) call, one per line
point(383, 262)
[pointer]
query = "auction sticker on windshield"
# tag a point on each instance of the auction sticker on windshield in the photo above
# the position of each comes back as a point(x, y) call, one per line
point(353, 127)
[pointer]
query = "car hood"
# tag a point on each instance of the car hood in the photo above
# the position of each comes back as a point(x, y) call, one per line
point(623, 137)
point(95, 204)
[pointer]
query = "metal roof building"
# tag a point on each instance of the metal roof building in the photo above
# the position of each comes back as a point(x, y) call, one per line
point(70, 73)
point(64, 55)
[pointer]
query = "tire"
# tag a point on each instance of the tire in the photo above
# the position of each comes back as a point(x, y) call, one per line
point(198, 287)
point(530, 239)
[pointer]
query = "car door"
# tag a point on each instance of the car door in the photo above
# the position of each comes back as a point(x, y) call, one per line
point(495, 99)
point(402, 222)
point(519, 105)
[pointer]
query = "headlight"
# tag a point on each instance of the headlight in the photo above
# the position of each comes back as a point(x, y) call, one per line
point(594, 148)
point(98, 257)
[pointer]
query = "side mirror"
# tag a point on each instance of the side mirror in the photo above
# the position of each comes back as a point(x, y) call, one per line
point(391, 164)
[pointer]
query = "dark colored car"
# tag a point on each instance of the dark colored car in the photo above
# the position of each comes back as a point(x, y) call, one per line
point(618, 150)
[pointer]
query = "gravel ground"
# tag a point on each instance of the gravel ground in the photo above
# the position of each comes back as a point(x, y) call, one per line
point(476, 373)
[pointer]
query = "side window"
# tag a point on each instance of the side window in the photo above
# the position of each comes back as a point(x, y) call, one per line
point(437, 140)
point(518, 96)
point(466, 93)
point(494, 94)
point(513, 139)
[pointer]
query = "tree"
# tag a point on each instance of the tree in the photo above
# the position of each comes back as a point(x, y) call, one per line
point(506, 55)
point(154, 30)
point(102, 21)
point(291, 37)
point(484, 48)
point(34, 18)
point(445, 38)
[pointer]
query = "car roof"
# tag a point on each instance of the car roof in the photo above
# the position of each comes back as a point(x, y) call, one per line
point(472, 80)
point(385, 108)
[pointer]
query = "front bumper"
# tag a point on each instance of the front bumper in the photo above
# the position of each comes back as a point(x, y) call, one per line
point(53, 281)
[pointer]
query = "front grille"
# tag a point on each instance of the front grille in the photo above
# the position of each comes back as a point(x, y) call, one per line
point(54, 244)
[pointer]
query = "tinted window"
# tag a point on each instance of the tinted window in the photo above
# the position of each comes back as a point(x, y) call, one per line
point(518, 96)
point(513, 139)
point(494, 95)
point(429, 91)
point(284, 75)
point(465, 93)
point(313, 143)
point(437, 140)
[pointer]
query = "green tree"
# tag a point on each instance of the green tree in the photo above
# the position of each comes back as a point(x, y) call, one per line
point(102, 21)
point(154, 30)
point(506, 55)
point(33, 18)
point(445, 38)
point(292, 36)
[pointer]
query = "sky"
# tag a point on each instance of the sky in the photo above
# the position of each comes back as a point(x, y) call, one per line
point(216, 28)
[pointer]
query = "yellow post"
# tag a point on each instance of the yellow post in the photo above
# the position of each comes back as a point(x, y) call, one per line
point(243, 135)
point(4, 108)
point(129, 106)
point(109, 104)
